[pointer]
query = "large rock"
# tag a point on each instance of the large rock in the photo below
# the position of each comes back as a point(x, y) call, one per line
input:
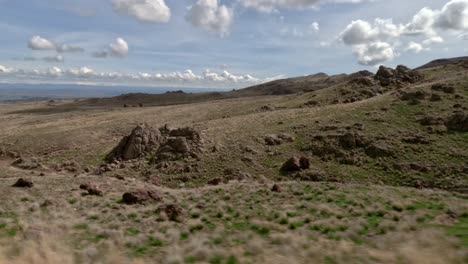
point(296, 164)
point(400, 76)
point(179, 144)
point(458, 122)
point(141, 196)
point(379, 149)
point(143, 139)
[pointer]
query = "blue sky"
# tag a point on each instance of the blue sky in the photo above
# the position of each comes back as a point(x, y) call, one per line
point(209, 43)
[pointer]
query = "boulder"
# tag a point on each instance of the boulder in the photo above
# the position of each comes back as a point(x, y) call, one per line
point(458, 122)
point(379, 149)
point(296, 164)
point(141, 197)
point(141, 140)
point(435, 97)
point(92, 189)
point(179, 144)
point(276, 188)
point(443, 88)
point(23, 183)
point(174, 212)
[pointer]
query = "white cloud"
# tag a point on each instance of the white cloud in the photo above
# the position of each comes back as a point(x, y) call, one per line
point(148, 11)
point(373, 53)
point(268, 6)
point(362, 32)
point(414, 47)
point(433, 40)
point(39, 43)
point(56, 58)
point(4, 69)
point(211, 16)
point(63, 48)
point(87, 74)
point(454, 15)
point(376, 43)
point(314, 27)
point(422, 23)
point(119, 48)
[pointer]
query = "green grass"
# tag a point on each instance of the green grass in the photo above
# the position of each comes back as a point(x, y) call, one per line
point(460, 230)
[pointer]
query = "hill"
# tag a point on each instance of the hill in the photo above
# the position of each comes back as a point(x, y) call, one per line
point(363, 167)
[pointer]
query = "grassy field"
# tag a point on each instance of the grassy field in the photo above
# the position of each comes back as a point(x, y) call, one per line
point(407, 206)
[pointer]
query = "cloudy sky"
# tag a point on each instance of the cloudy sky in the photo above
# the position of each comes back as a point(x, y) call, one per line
point(220, 43)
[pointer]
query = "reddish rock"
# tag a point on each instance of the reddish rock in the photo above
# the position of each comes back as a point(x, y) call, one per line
point(296, 164)
point(174, 212)
point(276, 188)
point(215, 181)
point(141, 196)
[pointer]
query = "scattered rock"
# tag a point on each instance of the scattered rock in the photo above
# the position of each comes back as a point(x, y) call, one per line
point(267, 108)
point(379, 149)
point(273, 140)
point(407, 166)
point(47, 203)
point(432, 121)
point(174, 212)
point(92, 189)
point(215, 181)
point(296, 164)
point(276, 188)
point(443, 88)
point(435, 97)
point(26, 163)
point(414, 97)
point(141, 197)
point(458, 122)
point(23, 183)
point(418, 139)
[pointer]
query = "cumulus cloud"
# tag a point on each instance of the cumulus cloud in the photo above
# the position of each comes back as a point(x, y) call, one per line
point(268, 6)
point(454, 15)
point(119, 48)
point(376, 42)
point(206, 79)
point(39, 43)
point(433, 40)
point(414, 47)
point(211, 16)
point(148, 11)
point(373, 53)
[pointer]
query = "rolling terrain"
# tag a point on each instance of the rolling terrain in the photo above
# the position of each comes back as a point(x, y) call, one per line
point(357, 168)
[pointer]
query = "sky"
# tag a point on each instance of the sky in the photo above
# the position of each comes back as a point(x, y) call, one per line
point(220, 43)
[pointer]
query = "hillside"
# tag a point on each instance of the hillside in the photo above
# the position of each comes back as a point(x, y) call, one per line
point(358, 168)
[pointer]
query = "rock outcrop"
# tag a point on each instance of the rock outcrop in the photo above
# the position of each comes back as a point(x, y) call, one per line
point(141, 140)
point(141, 197)
point(400, 76)
point(161, 144)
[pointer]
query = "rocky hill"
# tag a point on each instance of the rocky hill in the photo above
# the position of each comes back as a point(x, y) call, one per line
point(365, 167)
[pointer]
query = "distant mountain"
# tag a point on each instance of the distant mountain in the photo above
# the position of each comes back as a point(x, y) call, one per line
point(444, 62)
